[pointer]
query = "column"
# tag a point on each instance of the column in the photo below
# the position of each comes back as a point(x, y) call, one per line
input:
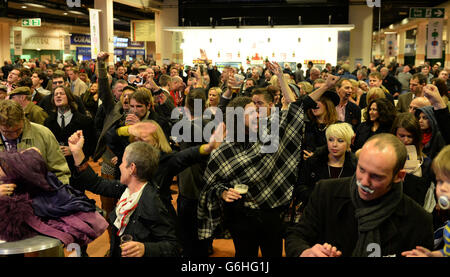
point(447, 44)
point(401, 46)
point(106, 19)
point(421, 42)
point(5, 42)
point(168, 17)
point(361, 36)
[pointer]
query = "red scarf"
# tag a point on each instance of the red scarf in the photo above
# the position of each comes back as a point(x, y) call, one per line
point(426, 138)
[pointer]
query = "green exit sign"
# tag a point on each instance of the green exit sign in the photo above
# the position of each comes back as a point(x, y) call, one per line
point(426, 12)
point(31, 22)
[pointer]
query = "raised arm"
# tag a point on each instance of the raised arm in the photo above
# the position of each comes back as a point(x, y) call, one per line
point(288, 95)
point(104, 89)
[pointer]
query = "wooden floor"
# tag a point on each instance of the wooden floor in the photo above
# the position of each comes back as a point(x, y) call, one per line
point(100, 246)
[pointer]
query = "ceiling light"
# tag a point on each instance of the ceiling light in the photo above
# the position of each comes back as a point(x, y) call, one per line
point(76, 12)
point(24, 7)
point(65, 13)
point(36, 5)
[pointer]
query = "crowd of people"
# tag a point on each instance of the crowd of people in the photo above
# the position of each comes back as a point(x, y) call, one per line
point(361, 158)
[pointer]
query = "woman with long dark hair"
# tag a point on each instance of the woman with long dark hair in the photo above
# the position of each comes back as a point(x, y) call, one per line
point(379, 118)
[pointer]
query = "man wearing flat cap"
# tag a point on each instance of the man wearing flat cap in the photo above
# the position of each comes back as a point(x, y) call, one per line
point(34, 113)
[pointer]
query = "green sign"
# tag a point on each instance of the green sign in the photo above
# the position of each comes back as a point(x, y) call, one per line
point(31, 22)
point(426, 12)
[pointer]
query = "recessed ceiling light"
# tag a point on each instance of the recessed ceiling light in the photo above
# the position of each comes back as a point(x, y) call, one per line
point(65, 13)
point(24, 7)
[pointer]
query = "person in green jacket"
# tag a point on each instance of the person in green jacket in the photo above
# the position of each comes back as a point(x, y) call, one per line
point(18, 133)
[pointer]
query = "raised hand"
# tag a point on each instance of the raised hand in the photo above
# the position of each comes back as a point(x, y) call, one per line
point(143, 131)
point(332, 80)
point(275, 68)
point(76, 141)
point(216, 138)
point(203, 55)
point(431, 92)
point(102, 56)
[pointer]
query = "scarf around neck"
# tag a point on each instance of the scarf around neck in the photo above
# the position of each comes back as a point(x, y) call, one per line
point(125, 208)
point(371, 214)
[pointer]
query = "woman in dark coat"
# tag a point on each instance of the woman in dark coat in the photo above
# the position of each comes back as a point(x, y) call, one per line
point(333, 160)
point(140, 211)
point(379, 118)
point(64, 119)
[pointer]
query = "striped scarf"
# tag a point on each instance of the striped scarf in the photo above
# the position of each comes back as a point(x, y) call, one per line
point(125, 208)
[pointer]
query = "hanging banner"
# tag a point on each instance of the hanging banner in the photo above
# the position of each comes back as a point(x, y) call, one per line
point(18, 43)
point(67, 44)
point(95, 32)
point(434, 40)
point(390, 45)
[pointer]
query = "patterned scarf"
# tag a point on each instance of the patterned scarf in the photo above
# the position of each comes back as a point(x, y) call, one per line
point(125, 208)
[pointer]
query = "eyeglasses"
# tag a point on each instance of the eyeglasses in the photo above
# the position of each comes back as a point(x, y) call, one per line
point(58, 82)
point(59, 93)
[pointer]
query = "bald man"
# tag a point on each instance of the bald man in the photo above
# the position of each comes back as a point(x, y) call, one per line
point(418, 102)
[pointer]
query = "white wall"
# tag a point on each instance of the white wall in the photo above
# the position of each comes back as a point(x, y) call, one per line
point(314, 44)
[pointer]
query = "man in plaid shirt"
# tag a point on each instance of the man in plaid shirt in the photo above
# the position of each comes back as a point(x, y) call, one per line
point(269, 175)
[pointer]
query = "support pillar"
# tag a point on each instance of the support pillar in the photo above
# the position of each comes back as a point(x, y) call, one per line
point(421, 42)
point(106, 20)
point(401, 46)
point(447, 44)
point(361, 36)
point(168, 17)
point(5, 42)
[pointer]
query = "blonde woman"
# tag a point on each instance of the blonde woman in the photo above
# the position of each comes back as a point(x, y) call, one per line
point(214, 94)
point(333, 160)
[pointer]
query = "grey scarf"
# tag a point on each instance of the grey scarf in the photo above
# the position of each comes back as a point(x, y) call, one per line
point(371, 214)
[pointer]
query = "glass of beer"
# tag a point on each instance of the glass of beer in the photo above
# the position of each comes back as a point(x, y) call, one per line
point(235, 90)
point(241, 188)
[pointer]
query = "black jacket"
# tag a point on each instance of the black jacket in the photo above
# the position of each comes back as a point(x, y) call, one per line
point(78, 122)
point(151, 223)
point(352, 114)
point(315, 169)
point(330, 218)
point(364, 132)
